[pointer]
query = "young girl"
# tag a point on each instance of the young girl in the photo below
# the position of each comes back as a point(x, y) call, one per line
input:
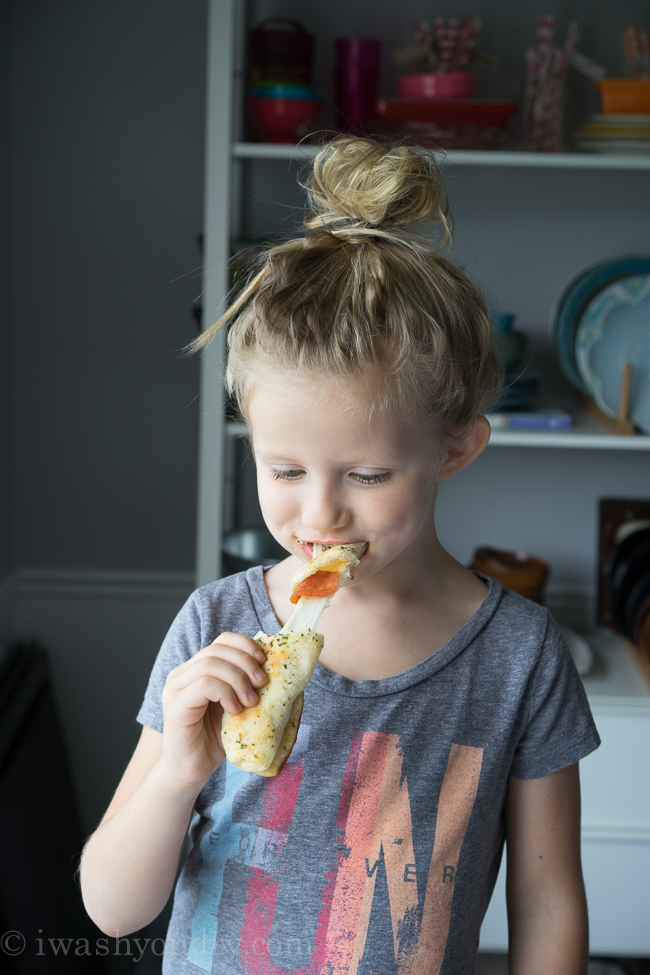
point(445, 713)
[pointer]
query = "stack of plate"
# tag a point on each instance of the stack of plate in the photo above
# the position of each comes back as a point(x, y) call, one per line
point(448, 123)
point(600, 322)
point(615, 133)
point(628, 591)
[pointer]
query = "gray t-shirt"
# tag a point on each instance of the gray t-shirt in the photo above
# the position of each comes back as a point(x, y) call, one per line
point(377, 847)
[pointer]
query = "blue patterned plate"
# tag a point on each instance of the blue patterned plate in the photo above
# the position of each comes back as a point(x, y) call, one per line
point(613, 330)
point(569, 306)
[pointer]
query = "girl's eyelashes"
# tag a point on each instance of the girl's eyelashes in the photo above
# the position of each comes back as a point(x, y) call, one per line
point(370, 478)
point(285, 473)
point(361, 477)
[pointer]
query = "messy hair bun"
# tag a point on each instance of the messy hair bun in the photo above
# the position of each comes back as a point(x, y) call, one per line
point(367, 293)
point(361, 185)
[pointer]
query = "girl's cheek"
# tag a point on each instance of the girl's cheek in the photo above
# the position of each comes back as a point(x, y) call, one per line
point(273, 502)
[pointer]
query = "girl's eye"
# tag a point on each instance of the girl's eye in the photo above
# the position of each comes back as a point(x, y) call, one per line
point(285, 474)
point(370, 478)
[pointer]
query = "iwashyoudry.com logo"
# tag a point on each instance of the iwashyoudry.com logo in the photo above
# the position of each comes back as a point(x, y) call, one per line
point(13, 943)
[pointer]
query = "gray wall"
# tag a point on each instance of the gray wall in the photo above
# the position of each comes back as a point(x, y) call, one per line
point(103, 105)
point(5, 348)
point(107, 117)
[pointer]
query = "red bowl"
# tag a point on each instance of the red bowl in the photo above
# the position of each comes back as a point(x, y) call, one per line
point(285, 119)
point(445, 111)
point(437, 84)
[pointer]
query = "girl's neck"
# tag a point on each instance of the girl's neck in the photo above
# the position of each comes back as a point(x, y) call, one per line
point(385, 627)
point(426, 582)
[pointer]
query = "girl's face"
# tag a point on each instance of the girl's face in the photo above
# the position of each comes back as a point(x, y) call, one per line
point(328, 472)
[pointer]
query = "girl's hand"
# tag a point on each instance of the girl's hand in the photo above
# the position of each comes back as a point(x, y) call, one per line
point(222, 676)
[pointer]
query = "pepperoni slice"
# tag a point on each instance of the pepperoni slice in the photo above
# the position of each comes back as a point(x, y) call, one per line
point(320, 583)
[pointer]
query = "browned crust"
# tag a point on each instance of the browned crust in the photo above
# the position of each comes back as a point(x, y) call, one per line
point(288, 739)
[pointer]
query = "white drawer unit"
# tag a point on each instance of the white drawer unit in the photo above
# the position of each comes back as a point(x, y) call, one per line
point(615, 811)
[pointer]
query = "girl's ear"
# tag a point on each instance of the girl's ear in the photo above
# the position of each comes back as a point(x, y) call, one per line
point(460, 453)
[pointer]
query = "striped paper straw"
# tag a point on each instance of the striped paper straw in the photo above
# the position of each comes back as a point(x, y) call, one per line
point(446, 41)
point(545, 37)
point(422, 35)
point(421, 31)
point(544, 94)
point(545, 31)
point(553, 103)
point(532, 74)
point(441, 42)
point(453, 30)
point(469, 30)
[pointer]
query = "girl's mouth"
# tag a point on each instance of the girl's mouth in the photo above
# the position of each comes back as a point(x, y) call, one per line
point(312, 549)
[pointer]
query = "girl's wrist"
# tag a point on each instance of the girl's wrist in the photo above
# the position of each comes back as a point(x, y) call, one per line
point(177, 789)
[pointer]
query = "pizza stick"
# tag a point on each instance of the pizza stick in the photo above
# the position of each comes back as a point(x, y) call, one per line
point(260, 738)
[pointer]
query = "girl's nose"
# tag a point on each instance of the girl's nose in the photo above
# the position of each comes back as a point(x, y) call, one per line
point(323, 511)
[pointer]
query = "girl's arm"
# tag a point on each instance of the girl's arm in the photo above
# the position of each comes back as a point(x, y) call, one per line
point(129, 864)
point(547, 908)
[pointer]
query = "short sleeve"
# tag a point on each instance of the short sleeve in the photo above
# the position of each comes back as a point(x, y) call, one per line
point(183, 640)
point(559, 728)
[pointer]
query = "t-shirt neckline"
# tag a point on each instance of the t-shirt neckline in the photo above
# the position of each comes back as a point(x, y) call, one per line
point(338, 684)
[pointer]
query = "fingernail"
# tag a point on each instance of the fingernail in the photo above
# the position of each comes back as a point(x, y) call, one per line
point(259, 674)
point(252, 697)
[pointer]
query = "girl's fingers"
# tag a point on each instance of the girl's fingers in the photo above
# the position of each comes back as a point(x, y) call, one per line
point(207, 689)
point(208, 659)
point(239, 649)
point(240, 642)
point(221, 673)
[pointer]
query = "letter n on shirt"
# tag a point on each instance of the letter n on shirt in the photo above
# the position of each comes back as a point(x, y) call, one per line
point(379, 822)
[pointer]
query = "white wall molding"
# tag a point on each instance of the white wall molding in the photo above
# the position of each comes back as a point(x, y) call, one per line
point(122, 583)
point(96, 583)
point(102, 631)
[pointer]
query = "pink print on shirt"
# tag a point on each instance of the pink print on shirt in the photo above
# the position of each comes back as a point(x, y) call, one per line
point(374, 820)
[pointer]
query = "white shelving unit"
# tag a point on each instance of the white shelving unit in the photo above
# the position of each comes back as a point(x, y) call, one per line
point(544, 482)
point(586, 434)
point(537, 160)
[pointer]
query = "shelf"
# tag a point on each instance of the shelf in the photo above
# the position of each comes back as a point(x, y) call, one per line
point(550, 160)
point(615, 680)
point(586, 435)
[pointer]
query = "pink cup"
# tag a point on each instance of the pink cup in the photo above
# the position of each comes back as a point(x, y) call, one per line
point(357, 81)
point(437, 84)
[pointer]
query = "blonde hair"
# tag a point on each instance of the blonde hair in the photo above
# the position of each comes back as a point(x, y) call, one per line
point(367, 292)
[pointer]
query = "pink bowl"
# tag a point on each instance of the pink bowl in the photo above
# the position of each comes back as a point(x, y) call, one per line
point(437, 84)
point(285, 119)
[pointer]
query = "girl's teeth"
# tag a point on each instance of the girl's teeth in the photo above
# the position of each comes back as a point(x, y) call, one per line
point(316, 548)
